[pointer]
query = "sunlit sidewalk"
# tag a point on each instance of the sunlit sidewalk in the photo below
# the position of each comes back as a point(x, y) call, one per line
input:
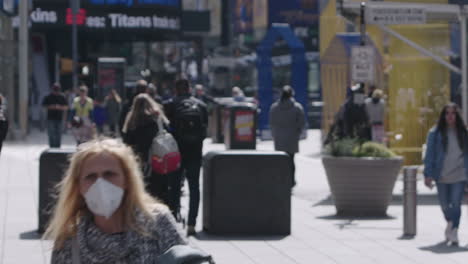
point(318, 236)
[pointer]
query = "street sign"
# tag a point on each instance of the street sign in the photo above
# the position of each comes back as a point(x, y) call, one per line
point(8, 6)
point(395, 15)
point(362, 64)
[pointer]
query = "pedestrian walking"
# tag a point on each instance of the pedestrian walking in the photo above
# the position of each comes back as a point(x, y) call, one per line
point(56, 105)
point(140, 127)
point(104, 214)
point(351, 120)
point(113, 105)
point(141, 86)
point(375, 107)
point(82, 114)
point(3, 120)
point(99, 116)
point(238, 94)
point(446, 165)
point(188, 117)
point(287, 121)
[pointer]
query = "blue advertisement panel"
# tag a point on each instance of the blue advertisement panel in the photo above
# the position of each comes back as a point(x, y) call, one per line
point(301, 15)
point(294, 12)
point(134, 3)
point(242, 15)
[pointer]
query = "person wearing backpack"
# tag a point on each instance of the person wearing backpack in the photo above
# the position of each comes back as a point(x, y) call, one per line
point(139, 129)
point(189, 119)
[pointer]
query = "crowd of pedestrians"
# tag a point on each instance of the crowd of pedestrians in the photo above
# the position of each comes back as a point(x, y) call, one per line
point(137, 122)
point(112, 206)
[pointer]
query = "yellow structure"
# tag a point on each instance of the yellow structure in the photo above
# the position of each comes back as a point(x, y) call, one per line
point(416, 86)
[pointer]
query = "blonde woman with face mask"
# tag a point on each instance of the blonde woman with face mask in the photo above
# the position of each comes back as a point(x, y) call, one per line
point(104, 215)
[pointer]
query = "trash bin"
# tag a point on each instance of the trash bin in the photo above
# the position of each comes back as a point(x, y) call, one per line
point(240, 126)
point(52, 165)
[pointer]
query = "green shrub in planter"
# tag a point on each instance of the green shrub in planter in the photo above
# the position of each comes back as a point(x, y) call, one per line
point(350, 147)
point(373, 149)
point(342, 147)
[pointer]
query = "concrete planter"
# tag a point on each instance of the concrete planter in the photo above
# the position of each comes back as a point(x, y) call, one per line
point(361, 186)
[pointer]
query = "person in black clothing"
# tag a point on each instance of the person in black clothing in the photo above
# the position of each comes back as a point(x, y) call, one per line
point(139, 129)
point(352, 120)
point(188, 117)
point(141, 87)
point(56, 104)
point(201, 95)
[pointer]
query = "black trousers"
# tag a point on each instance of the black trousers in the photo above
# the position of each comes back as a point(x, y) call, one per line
point(190, 169)
point(293, 167)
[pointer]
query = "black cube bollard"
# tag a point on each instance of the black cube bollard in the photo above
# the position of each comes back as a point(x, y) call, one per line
point(52, 165)
point(243, 194)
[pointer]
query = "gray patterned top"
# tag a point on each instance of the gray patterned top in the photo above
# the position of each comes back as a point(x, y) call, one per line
point(96, 246)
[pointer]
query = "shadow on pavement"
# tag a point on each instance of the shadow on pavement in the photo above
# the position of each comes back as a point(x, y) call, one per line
point(30, 235)
point(352, 218)
point(203, 236)
point(443, 248)
point(423, 199)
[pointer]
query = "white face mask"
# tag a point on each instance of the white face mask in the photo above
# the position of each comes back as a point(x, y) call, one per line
point(103, 198)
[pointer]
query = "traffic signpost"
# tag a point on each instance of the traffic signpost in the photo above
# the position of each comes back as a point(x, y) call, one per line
point(362, 64)
point(395, 15)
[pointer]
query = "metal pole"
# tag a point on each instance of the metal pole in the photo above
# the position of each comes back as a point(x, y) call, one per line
point(463, 62)
point(23, 67)
point(409, 200)
point(362, 27)
point(75, 7)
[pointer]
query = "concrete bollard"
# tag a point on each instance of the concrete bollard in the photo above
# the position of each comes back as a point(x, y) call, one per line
point(409, 200)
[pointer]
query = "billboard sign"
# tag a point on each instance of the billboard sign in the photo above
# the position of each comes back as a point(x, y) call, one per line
point(242, 11)
point(90, 19)
point(134, 3)
point(7, 6)
point(301, 15)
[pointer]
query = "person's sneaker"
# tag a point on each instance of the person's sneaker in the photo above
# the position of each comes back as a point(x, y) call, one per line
point(454, 237)
point(191, 230)
point(448, 230)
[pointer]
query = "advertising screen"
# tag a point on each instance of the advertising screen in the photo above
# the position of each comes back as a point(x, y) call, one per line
point(111, 75)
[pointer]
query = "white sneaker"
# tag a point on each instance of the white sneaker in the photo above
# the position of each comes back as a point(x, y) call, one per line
point(454, 236)
point(448, 230)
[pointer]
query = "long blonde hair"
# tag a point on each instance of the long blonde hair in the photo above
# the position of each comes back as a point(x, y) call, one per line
point(115, 95)
point(71, 205)
point(143, 108)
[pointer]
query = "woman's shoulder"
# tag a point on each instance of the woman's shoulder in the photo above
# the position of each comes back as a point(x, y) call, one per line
point(433, 130)
point(159, 211)
point(161, 218)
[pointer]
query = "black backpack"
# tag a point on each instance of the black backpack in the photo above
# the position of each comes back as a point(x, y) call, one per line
point(189, 127)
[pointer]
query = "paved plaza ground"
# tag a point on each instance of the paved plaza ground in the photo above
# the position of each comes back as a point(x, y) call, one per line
point(318, 236)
